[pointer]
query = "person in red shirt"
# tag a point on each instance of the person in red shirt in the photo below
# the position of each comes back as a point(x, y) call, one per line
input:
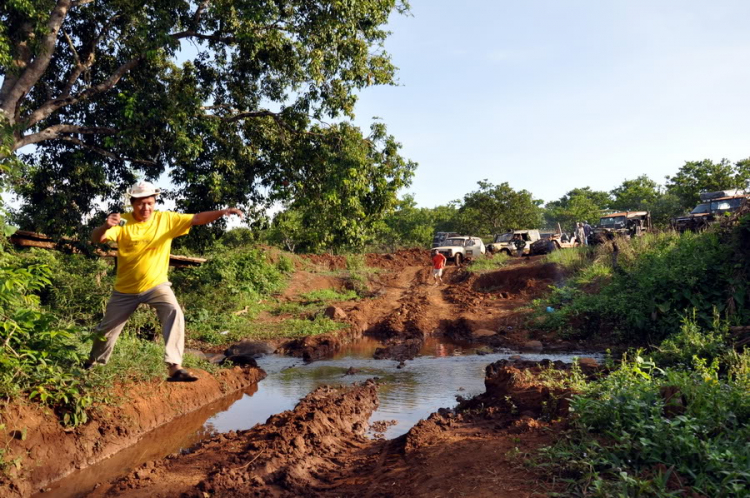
point(438, 263)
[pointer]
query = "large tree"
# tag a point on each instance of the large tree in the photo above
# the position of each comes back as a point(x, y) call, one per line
point(638, 194)
point(695, 177)
point(216, 92)
point(580, 204)
point(498, 208)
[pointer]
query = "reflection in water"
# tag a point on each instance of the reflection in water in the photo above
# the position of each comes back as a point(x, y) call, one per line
point(430, 381)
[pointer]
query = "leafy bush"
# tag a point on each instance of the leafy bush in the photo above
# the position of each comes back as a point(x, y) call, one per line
point(659, 278)
point(228, 282)
point(627, 432)
point(693, 342)
point(37, 354)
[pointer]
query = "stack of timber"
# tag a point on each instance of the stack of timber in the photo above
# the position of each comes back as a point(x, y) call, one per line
point(23, 238)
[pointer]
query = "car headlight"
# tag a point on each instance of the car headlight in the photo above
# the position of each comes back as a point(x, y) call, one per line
point(469, 252)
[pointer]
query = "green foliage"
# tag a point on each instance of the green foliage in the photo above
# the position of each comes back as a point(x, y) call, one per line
point(488, 264)
point(695, 177)
point(580, 204)
point(407, 226)
point(343, 186)
point(37, 353)
point(640, 424)
point(660, 278)
point(692, 342)
point(497, 209)
point(228, 122)
point(635, 195)
point(231, 280)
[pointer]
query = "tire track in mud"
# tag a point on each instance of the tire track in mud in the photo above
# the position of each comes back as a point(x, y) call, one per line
point(418, 309)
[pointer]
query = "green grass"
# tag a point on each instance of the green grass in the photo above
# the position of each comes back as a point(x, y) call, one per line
point(290, 329)
point(487, 264)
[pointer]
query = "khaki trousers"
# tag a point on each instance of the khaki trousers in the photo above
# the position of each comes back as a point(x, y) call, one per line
point(121, 306)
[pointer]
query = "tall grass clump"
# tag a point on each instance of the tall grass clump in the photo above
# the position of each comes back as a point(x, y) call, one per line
point(486, 264)
point(658, 278)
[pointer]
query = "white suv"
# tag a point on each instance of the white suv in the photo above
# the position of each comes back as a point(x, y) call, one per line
point(461, 248)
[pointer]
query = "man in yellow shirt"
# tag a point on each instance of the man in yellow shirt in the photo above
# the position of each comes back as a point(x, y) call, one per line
point(144, 239)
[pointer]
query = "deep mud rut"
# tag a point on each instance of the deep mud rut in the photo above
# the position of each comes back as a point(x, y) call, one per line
point(320, 448)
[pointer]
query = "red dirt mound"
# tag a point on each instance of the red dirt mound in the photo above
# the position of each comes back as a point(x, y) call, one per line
point(514, 386)
point(527, 280)
point(289, 455)
point(399, 259)
point(328, 261)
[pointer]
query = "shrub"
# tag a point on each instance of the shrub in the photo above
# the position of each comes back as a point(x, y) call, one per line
point(626, 429)
point(37, 354)
point(660, 278)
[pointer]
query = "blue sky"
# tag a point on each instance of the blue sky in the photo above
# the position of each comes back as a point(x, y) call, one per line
point(549, 95)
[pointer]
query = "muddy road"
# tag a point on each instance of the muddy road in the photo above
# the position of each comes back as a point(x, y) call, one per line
point(322, 446)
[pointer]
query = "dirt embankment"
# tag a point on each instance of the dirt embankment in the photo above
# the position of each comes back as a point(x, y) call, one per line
point(48, 451)
point(292, 454)
point(318, 449)
point(406, 306)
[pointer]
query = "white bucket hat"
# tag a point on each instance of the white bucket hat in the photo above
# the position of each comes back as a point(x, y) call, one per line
point(143, 189)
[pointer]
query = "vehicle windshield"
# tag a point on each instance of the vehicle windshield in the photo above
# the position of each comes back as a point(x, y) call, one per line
point(611, 221)
point(725, 204)
point(505, 237)
point(455, 242)
point(701, 208)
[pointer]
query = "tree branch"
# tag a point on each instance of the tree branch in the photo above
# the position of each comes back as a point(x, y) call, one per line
point(104, 152)
point(31, 74)
point(190, 33)
point(81, 67)
point(53, 105)
point(54, 131)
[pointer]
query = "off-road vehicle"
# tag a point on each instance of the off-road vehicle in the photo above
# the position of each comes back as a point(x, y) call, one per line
point(503, 242)
point(550, 242)
point(623, 224)
point(440, 237)
point(712, 206)
point(461, 248)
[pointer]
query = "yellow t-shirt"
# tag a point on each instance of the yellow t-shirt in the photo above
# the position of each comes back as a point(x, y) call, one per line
point(143, 249)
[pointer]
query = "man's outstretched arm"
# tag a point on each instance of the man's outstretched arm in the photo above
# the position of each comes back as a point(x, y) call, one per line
point(97, 236)
point(207, 217)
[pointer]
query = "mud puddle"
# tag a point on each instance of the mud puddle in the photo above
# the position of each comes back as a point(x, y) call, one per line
point(442, 371)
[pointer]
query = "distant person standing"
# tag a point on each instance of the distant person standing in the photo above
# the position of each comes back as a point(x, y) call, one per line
point(438, 263)
point(586, 231)
point(519, 243)
point(580, 234)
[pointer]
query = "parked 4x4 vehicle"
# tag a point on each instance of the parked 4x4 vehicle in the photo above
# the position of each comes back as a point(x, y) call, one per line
point(504, 241)
point(550, 242)
point(440, 237)
point(713, 205)
point(461, 248)
point(625, 223)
